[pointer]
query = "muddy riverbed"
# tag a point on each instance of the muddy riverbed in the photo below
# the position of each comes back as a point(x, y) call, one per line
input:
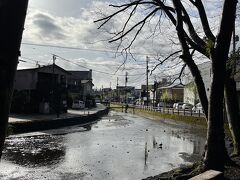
point(119, 146)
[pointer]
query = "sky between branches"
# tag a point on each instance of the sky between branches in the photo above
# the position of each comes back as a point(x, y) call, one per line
point(69, 23)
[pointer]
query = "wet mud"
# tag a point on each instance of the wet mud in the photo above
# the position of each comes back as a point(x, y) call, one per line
point(119, 146)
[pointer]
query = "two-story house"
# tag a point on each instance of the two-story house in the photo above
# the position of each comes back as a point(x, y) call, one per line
point(42, 89)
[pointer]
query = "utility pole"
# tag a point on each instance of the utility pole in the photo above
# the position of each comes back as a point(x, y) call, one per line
point(102, 92)
point(54, 59)
point(110, 92)
point(55, 89)
point(154, 93)
point(126, 80)
point(147, 71)
point(117, 91)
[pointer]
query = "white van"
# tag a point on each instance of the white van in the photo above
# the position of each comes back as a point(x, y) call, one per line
point(78, 104)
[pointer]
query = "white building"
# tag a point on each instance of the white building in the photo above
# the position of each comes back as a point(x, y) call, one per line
point(190, 91)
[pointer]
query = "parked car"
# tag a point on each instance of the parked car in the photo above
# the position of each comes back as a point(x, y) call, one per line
point(187, 106)
point(197, 108)
point(169, 105)
point(77, 104)
point(178, 105)
point(160, 104)
point(174, 105)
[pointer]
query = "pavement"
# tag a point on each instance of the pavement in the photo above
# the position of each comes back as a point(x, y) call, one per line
point(22, 123)
point(72, 113)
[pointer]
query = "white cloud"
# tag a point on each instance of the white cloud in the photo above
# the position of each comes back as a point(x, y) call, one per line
point(70, 23)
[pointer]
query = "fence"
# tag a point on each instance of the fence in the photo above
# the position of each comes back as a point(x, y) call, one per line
point(185, 112)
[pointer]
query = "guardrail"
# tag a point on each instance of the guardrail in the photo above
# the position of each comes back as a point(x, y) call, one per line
point(185, 112)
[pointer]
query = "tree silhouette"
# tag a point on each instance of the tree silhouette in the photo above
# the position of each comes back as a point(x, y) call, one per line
point(12, 17)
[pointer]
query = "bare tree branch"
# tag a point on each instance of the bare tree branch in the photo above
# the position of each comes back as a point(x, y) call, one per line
point(164, 60)
point(204, 20)
point(173, 20)
point(179, 76)
point(191, 29)
point(136, 25)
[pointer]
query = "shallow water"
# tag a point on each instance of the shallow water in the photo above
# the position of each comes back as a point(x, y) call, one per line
point(119, 146)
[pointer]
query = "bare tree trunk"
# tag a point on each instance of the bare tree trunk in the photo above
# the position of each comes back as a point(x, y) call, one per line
point(12, 17)
point(216, 153)
point(232, 108)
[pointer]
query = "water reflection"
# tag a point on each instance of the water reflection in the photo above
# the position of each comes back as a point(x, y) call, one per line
point(34, 151)
point(117, 147)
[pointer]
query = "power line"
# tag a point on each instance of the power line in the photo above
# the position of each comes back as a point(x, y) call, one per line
point(85, 49)
point(36, 61)
point(30, 59)
point(93, 69)
point(136, 79)
point(23, 61)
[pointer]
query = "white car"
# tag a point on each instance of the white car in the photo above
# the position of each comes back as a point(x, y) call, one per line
point(178, 105)
point(198, 108)
point(78, 104)
point(187, 106)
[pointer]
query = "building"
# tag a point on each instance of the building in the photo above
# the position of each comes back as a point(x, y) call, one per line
point(107, 94)
point(190, 90)
point(157, 92)
point(172, 93)
point(42, 89)
point(50, 89)
point(126, 94)
point(154, 92)
point(80, 85)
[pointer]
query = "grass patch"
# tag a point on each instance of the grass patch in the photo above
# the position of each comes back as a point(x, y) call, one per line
point(165, 116)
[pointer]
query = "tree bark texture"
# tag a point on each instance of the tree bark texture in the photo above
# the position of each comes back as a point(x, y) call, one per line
point(12, 18)
point(232, 109)
point(216, 153)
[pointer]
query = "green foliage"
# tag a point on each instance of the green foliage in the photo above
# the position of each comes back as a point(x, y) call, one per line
point(209, 46)
point(192, 87)
point(166, 97)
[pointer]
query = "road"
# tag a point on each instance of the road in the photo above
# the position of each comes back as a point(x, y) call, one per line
point(119, 146)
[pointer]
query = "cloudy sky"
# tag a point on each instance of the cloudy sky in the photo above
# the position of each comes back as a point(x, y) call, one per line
point(66, 28)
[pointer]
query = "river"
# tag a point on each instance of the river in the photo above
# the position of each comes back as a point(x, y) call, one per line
point(119, 146)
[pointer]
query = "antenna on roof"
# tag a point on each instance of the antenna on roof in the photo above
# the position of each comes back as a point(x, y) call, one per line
point(37, 64)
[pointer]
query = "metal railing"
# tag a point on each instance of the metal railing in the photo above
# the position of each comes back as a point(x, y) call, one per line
point(184, 112)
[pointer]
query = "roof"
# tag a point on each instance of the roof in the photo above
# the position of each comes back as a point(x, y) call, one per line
point(173, 86)
point(87, 81)
point(43, 67)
